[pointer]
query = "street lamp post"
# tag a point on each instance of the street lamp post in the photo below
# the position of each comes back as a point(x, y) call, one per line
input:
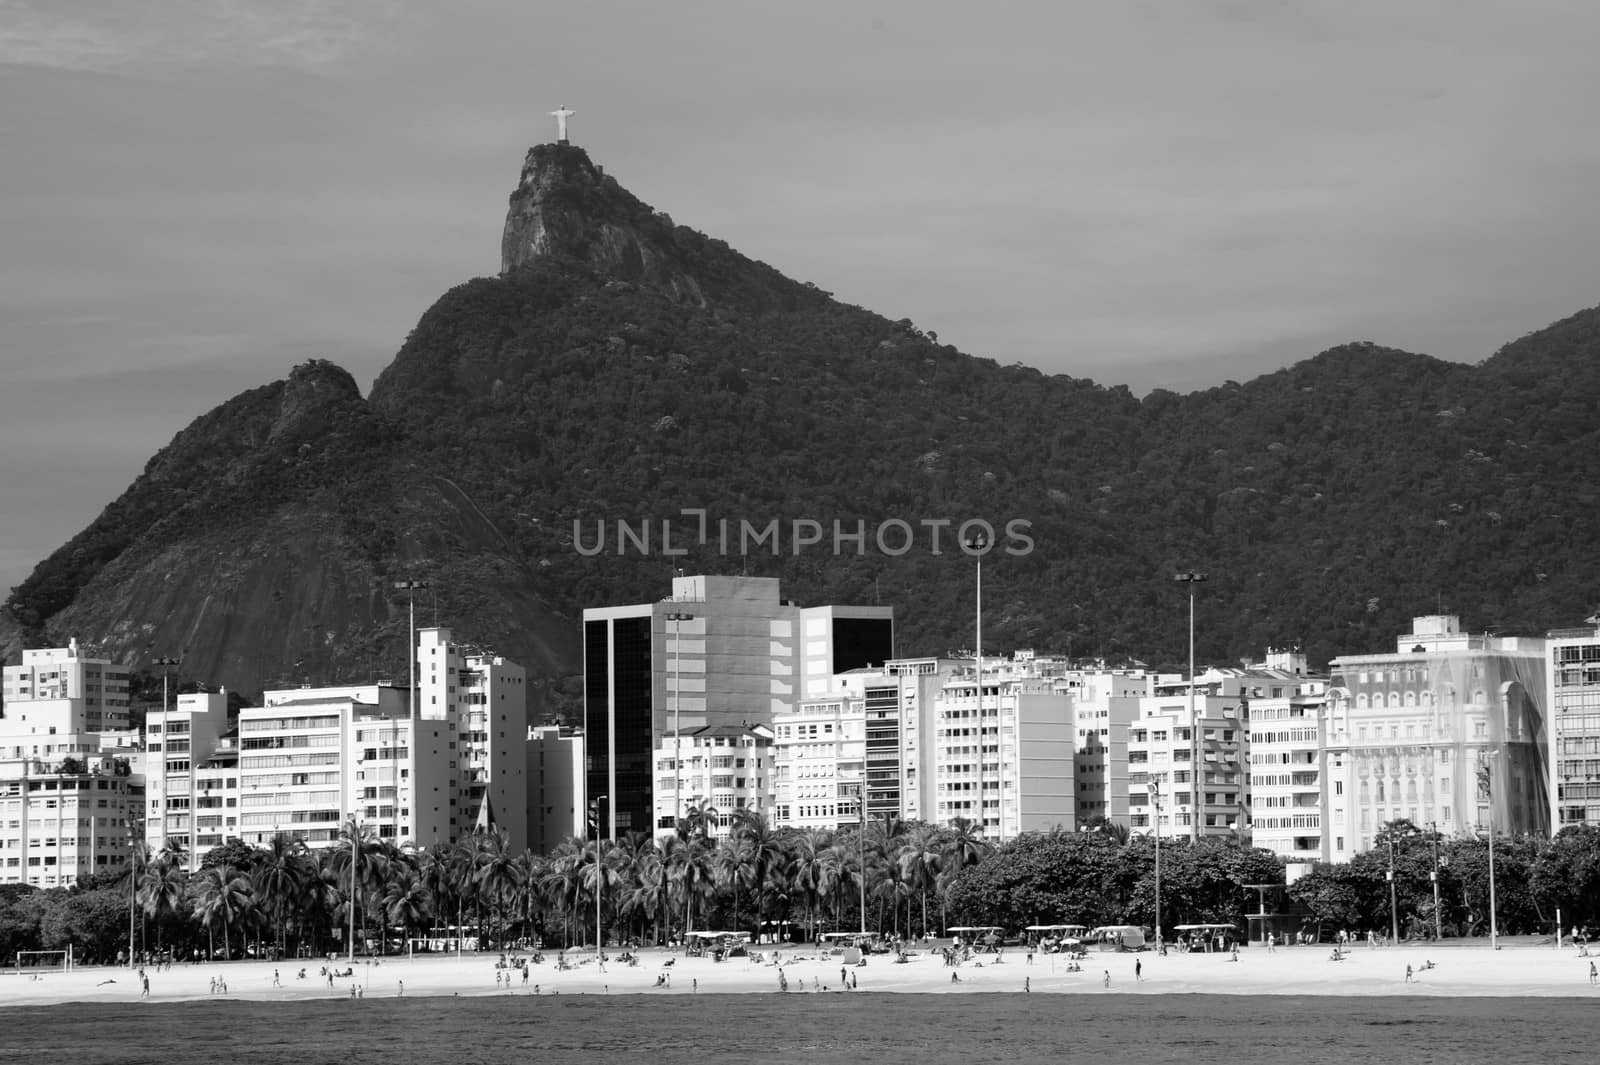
point(1438, 933)
point(1191, 579)
point(1155, 821)
point(861, 838)
point(677, 620)
point(599, 879)
point(1394, 906)
point(166, 743)
point(411, 587)
point(1486, 780)
point(354, 838)
point(976, 544)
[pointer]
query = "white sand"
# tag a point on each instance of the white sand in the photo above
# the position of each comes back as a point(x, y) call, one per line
point(1463, 970)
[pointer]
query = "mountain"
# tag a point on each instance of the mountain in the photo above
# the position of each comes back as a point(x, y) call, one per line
point(625, 369)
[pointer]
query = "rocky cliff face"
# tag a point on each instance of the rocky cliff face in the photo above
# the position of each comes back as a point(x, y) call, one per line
point(566, 208)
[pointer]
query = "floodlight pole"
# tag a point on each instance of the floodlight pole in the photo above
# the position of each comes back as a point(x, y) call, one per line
point(975, 544)
point(677, 620)
point(411, 587)
point(1191, 579)
point(1155, 820)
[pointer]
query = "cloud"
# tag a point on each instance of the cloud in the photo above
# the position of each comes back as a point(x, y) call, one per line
point(96, 36)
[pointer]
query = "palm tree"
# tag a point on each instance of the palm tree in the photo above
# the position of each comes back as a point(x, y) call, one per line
point(808, 870)
point(361, 845)
point(495, 868)
point(221, 896)
point(767, 856)
point(961, 846)
point(598, 877)
point(279, 881)
point(920, 859)
point(161, 890)
point(562, 882)
point(406, 901)
point(733, 865)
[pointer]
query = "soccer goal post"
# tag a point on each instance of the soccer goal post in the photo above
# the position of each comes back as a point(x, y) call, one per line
point(38, 961)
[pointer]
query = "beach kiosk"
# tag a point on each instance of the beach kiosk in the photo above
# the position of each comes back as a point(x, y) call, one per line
point(1055, 938)
point(1118, 937)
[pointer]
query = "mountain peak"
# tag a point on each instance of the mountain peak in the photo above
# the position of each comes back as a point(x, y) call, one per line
point(567, 208)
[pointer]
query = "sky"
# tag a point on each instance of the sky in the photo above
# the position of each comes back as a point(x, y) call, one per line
point(197, 195)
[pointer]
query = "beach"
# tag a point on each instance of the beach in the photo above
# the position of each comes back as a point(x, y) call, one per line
point(1460, 969)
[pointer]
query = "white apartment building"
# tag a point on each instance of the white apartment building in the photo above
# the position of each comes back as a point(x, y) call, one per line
point(1573, 697)
point(721, 768)
point(311, 759)
point(820, 755)
point(1105, 703)
point(1408, 733)
point(485, 698)
point(1003, 752)
point(1289, 787)
point(1210, 797)
point(93, 692)
point(67, 809)
point(178, 740)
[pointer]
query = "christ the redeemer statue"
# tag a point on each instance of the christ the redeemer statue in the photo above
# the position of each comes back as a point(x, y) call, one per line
point(561, 115)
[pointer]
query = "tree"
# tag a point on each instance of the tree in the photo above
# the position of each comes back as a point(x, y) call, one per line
point(222, 899)
point(279, 875)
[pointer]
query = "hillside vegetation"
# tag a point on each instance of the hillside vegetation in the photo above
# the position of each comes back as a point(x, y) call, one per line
point(634, 368)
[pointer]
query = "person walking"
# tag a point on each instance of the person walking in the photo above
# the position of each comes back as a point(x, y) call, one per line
point(1594, 975)
point(1107, 979)
point(1138, 971)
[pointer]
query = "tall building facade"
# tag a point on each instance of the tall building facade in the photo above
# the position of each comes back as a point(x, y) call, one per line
point(721, 651)
point(485, 698)
point(1437, 731)
point(722, 770)
point(179, 742)
point(311, 760)
point(1290, 790)
point(93, 692)
point(555, 786)
point(1191, 741)
point(1004, 753)
point(1573, 696)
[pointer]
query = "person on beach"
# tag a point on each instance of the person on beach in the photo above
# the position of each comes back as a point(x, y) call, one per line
point(144, 984)
point(1594, 976)
point(1107, 978)
point(402, 992)
point(1408, 974)
point(1026, 981)
point(1138, 971)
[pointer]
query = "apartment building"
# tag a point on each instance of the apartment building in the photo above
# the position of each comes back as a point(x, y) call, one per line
point(1192, 741)
point(716, 770)
point(92, 692)
point(1004, 752)
point(1573, 698)
point(1435, 732)
point(721, 651)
